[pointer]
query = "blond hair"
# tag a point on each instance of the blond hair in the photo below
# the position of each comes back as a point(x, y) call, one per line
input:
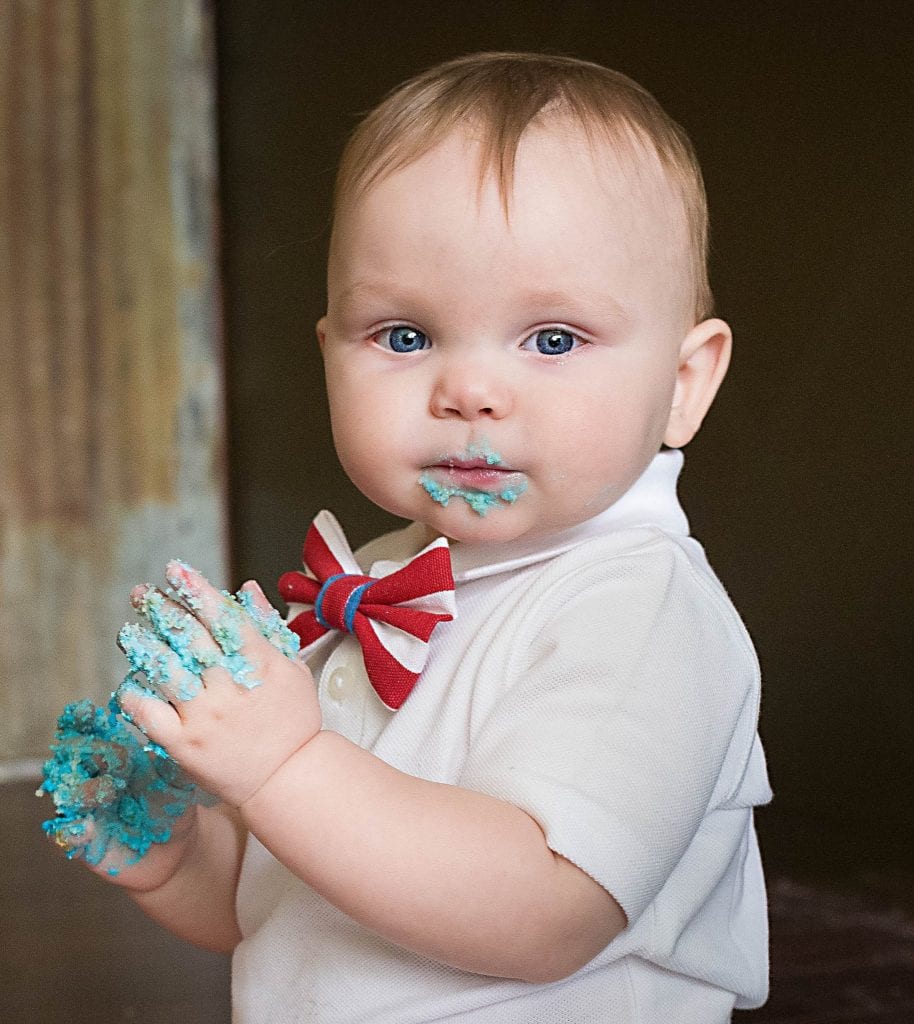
point(500, 95)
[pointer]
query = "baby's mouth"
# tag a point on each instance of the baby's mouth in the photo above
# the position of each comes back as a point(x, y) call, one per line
point(474, 474)
point(478, 476)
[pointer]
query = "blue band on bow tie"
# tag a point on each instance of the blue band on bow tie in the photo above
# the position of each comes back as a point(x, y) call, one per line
point(320, 598)
point(350, 607)
point(352, 604)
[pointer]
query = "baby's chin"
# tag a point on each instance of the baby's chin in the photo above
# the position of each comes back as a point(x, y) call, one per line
point(494, 526)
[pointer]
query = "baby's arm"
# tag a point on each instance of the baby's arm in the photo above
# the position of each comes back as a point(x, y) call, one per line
point(197, 901)
point(450, 873)
point(188, 883)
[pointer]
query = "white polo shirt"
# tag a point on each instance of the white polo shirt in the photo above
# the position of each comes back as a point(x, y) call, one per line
point(601, 680)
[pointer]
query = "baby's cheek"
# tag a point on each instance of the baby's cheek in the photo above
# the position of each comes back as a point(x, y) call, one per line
point(371, 437)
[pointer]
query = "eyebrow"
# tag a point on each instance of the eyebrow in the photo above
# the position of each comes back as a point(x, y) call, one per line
point(380, 289)
point(546, 298)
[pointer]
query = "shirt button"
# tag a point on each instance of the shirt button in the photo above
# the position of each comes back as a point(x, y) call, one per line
point(340, 683)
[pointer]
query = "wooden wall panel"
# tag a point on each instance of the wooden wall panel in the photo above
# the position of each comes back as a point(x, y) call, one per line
point(111, 377)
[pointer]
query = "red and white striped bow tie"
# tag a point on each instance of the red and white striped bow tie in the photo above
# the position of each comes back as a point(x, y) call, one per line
point(391, 616)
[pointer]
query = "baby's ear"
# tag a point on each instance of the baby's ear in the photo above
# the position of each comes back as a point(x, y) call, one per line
point(703, 360)
point(321, 329)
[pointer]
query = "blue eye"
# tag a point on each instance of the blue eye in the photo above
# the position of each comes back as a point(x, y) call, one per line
point(552, 342)
point(402, 339)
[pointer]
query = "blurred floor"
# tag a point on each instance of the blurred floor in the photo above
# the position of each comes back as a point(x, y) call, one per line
point(75, 949)
point(837, 959)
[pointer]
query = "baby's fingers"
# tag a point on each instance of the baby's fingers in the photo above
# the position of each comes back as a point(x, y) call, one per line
point(232, 630)
point(153, 716)
point(255, 597)
point(78, 838)
point(269, 623)
point(197, 594)
point(85, 773)
point(176, 627)
point(101, 791)
point(70, 834)
point(90, 842)
point(92, 755)
point(239, 625)
point(163, 669)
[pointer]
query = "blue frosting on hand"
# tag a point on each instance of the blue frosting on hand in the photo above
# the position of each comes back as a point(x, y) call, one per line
point(101, 772)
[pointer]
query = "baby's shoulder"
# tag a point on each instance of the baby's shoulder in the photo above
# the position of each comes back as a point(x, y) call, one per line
point(644, 585)
point(626, 562)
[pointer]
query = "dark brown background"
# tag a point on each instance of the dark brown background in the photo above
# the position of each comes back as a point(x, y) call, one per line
point(797, 485)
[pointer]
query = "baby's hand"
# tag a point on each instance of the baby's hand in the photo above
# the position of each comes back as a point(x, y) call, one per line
point(224, 691)
point(116, 800)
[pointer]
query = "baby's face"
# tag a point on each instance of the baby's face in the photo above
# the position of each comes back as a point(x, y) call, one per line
point(502, 379)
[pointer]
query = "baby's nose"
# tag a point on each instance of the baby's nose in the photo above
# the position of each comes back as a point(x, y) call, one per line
point(471, 392)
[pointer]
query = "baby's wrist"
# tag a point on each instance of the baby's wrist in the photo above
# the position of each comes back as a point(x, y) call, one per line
point(252, 807)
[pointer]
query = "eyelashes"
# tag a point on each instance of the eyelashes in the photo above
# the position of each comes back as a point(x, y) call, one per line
point(549, 341)
point(402, 339)
point(553, 341)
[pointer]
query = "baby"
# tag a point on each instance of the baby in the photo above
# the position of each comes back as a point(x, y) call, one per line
point(509, 776)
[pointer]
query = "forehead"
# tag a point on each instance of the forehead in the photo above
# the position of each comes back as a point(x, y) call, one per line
point(571, 194)
point(622, 162)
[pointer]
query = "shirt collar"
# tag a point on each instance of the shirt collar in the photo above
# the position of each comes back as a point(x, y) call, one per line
point(650, 501)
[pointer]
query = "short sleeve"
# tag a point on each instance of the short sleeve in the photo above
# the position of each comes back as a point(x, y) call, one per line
point(630, 713)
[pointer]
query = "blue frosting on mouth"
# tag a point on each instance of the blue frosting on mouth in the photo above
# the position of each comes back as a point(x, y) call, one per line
point(481, 450)
point(479, 500)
